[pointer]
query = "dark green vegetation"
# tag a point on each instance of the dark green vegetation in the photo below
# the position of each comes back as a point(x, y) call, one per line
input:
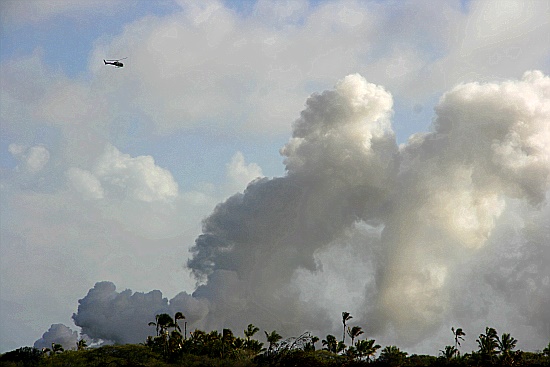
point(172, 347)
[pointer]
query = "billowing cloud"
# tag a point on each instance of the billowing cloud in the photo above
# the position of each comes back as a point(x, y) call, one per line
point(253, 242)
point(436, 201)
point(121, 176)
point(127, 222)
point(85, 182)
point(240, 174)
point(455, 185)
point(411, 224)
point(123, 317)
point(273, 59)
point(58, 334)
point(33, 159)
point(78, 197)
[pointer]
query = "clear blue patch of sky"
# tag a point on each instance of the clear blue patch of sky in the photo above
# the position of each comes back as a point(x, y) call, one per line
point(410, 118)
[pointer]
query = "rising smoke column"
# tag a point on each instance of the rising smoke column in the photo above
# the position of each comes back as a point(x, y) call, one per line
point(340, 164)
point(438, 199)
point(490, 144)
point(449, 220)
point(123, 317)
point(58, 334)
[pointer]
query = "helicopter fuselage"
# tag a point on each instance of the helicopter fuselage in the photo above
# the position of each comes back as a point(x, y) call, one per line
point(118, 64)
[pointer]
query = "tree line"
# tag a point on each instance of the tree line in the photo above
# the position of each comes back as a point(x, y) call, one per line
point(172, 346)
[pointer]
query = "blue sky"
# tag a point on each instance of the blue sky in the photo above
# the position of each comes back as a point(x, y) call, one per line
point(205, 101)
point(64, 42)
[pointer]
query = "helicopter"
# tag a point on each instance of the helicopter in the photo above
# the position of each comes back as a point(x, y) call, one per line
point(116, 62)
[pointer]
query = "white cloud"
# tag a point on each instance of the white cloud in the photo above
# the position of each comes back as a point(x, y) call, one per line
point(16, 149)
point(495, 22)
point(124, 215)
point(36, 158)
point(208, 70)
point(138, 178)
point(345, 174)
point(69, 103)
point(273, 57)
point(240, 173)
point(280, 53)
point(254, 242)
point(35, 11)
point(119, 176)
point(494, 40)
point(85, 182)
point(33, 159)
point(177, 79)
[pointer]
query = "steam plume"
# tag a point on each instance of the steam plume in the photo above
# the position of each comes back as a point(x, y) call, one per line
point(339, 162)
point(123, 317)
point(58, 334)
point(416, 215)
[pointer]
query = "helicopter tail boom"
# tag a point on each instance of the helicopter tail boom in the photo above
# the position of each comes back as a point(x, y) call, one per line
point(115, 62)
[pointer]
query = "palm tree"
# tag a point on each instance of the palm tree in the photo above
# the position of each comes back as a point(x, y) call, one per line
point(178, 316)
point(228, 341)
point(152, 323)
point(315, 339)
point(250, 331)
point(392, 356)
point(449, 352)
point(272, 338)
point(198, 339)
point(340, 347)
point(57, 348)
point(163, 322)
point(310, 345)
point(345, 318)
point(505, 345)
point(488, 344)
point(175, 343)
point(458, 334)
point(81, 344)
point(366, 348)
point(354, 332)
point(227, 336)
point(352, 353)
point(546, 350)
point(330, 343)
point(255, 347)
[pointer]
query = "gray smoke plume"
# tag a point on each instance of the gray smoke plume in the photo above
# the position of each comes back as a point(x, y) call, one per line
point(123, 317)
point(490, 148)
point(435, 201)
point(411, 239)
point(340, 163)
point(58, 334)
